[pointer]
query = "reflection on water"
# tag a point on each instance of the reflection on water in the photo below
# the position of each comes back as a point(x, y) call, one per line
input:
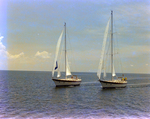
point(34, 95)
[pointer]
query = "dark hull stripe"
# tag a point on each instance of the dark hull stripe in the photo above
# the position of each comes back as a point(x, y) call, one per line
point(67, 85)
point(112, 87)
point(64, 81)
point(111, 82)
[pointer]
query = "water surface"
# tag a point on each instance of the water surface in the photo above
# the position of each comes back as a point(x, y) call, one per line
point(34, 95)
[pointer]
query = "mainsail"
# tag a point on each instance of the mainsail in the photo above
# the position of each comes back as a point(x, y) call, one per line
point(103, 50)
point(58, 73)
point(56, 54)
point(58, 70)
point(67, 67)
point(113, 74)
point(104, 75)
point(59, 61)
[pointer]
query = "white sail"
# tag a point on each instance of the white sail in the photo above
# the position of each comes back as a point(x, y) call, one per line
point(113, 74)
point(104, 65)
point(59, 62)
point(58, 71)
point(104, 74)
point(56, 54)
point(68, 72)
point(58, 74)
point(103, 50)
point(104, 68)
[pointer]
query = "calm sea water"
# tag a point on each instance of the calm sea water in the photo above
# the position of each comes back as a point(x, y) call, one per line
point(34, 95)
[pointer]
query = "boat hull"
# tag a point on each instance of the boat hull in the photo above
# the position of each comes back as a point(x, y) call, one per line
point(109, 84)
point(61, 83)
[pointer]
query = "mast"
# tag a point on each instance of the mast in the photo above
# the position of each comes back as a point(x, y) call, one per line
point(65, 48)
point(111, 45)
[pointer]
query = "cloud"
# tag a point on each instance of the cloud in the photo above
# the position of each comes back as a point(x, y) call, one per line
point(2, 47)
point(5, 54)
point(14, 56)
point(43, 54)
point(21, 62)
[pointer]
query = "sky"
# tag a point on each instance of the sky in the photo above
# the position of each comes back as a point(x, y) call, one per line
point(29, 31)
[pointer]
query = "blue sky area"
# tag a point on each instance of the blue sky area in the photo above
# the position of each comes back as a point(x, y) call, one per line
point(31, 28)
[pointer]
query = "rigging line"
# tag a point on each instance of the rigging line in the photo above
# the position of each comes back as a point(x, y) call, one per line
point(108, 52)
point(62, 56)
point(115, 47)
point(108, 44)
point(116, 43)
point(72, 52)
point(119, 57)
point(63, 50)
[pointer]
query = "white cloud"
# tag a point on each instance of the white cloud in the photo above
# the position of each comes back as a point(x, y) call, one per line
point(14, 56)
point(2, 47)
point(43, 54)
point(5, 54)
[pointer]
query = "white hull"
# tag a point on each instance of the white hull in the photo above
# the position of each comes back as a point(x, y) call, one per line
point(67, 82)
point(113, 84)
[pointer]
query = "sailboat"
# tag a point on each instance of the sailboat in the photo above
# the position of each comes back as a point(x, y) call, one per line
point(114, 81)
point(68, 79)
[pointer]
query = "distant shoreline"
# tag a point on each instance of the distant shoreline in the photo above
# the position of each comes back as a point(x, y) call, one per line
point(63, 72)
